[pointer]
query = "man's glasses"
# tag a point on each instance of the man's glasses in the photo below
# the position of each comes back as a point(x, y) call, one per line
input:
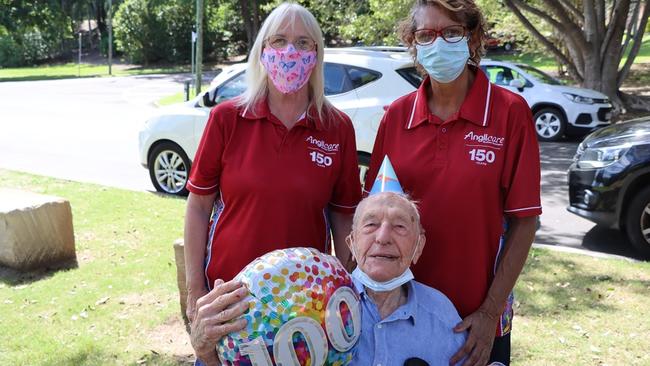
point(451, 34)
point(301, 43)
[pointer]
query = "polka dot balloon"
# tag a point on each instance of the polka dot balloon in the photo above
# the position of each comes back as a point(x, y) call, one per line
point(303, 311)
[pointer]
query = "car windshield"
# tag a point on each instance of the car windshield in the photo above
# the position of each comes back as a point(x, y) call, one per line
point(540, 75)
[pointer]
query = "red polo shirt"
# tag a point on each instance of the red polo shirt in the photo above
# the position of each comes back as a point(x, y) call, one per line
point(468, 174)
point(274, 184)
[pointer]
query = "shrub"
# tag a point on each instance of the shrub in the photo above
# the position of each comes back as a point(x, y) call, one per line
point(11, 53)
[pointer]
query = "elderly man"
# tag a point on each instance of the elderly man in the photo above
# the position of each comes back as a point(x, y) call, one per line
point(401, 316)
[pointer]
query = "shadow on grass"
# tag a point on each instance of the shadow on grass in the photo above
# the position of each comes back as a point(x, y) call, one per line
point(158, 359)
point(47, 77)
point(94, 356)
point(551, 285)
point(13, 277)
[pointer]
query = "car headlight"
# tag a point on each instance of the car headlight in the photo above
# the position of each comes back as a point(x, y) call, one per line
point(578, 98)
point(601, 157)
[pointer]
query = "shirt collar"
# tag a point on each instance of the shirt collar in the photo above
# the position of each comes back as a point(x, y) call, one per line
point(475, 107)
point(406, 311)
point(261, 110)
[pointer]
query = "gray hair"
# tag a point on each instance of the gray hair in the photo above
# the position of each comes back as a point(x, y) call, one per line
point(388, 196)
point(256, 76)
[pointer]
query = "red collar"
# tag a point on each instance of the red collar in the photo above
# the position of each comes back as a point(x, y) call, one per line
point(261, 111)
point(474, 109)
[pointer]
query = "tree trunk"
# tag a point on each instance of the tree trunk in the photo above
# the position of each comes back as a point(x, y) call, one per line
point(248, 23)
point(593, 41)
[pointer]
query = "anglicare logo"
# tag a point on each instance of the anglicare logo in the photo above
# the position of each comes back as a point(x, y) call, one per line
point(322, 144)
point(485, 139)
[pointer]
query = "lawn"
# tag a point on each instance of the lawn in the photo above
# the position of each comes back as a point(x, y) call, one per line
point(116, 307)
point(73, 70)
point(178, 97)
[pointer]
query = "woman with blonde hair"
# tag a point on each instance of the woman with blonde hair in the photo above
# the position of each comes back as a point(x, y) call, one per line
point(276, 168)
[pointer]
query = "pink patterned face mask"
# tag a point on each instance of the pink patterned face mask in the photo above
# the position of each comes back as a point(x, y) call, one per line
point(288, 68)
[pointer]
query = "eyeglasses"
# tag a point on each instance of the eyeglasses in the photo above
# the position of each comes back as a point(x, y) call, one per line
point(301, 43)
point(451, 34)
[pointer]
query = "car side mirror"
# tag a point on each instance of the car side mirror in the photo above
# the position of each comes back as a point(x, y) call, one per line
point(517, 83)
point(207, 100)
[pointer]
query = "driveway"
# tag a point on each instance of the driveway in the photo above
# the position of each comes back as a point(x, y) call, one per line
point(86, 130)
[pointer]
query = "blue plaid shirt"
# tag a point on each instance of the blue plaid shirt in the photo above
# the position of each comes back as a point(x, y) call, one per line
point(422, 328)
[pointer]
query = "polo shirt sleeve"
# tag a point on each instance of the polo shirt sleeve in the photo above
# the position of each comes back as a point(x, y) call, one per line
point(377, 156)
point(206, 168)
point(347, 188)
point(520, 179)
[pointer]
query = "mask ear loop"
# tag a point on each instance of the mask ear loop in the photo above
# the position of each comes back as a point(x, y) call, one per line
point(348, 241)
point(417, 244)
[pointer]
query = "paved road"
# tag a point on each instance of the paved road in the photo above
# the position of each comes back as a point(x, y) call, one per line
point(80, 129)
point(86, 130)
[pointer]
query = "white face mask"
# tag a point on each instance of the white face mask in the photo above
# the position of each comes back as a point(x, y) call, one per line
point(389, 285)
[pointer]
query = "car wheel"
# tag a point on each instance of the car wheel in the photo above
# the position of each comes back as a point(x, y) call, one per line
point(364, 166)
point(507, 46)
point(549, 124)
point(637, 221)
point(169, 168)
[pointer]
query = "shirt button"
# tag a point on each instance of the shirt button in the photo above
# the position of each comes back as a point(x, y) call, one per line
point(379, 327)
point(444, 130)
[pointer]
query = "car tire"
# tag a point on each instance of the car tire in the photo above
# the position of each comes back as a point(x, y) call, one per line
point(637, 221)
point(169, 168)
point(364, 165)
point(550, 124)
point(507, 46)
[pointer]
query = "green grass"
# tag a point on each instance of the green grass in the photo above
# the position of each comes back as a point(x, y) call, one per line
point(570, 309)
point(124, 248)
point(72, 70)
point(578, 310)
point(178, 97)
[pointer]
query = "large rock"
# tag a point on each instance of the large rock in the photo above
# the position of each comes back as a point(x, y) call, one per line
point(35, 230)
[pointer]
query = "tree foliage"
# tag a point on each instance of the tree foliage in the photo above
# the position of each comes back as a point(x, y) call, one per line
point(149, 31)
point(589, 37)
point(31, 31)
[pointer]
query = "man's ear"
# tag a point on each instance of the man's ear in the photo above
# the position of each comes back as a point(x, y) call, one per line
point(422, 240)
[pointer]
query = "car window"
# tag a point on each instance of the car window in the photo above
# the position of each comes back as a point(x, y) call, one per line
point(411, 75)
point(231, 88)
point(502, 75)
point(360, 77)
point(336, 79)
point(540, 75)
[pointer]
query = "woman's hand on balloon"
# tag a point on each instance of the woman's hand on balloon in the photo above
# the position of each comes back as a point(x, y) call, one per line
point(213, 318)
point(193, 294)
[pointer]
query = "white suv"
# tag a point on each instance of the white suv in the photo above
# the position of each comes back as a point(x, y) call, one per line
point(557, 109)
point(360, 82)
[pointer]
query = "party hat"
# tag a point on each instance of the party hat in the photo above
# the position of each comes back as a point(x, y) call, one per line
point(386, 180)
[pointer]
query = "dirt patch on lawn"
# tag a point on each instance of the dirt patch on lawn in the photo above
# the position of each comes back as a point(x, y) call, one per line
point(171, 340)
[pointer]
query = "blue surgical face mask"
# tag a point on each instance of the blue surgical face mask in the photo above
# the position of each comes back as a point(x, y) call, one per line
point(389, 285)
point(377, 286)
point(443, 61)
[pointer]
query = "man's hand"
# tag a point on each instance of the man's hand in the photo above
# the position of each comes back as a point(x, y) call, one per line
point(477, 348)
point(213, 315)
